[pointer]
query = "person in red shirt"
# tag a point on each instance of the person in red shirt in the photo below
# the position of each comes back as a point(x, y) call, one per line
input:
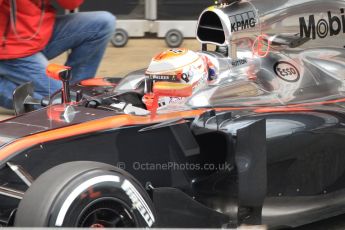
point(31, 34)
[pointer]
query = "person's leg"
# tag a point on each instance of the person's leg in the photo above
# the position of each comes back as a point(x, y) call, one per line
point(6, 92)
point(87, 34)
point(18, 71)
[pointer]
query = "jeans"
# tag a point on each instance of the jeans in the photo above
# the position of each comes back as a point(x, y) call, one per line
point(86, 34)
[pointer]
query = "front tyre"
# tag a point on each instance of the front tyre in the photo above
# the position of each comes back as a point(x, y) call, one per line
point(85, 194)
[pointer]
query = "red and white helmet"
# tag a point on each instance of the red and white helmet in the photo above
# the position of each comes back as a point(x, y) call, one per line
point(178, 65)
point(182, 66)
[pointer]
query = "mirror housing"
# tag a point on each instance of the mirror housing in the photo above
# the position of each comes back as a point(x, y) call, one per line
point(61, 73)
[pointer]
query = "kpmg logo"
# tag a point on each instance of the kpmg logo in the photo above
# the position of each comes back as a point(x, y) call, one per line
point(242, 21)
point(322, 28)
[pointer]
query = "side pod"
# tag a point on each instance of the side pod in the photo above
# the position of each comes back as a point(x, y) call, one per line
point(251, 164)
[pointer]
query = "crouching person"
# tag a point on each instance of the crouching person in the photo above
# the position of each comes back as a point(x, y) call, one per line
point(31, 34)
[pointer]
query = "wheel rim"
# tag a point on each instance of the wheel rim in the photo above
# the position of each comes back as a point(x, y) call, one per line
point(119, 38)
point(173, 38)
point(107, 212)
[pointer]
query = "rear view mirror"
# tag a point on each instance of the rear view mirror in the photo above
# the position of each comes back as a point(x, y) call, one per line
point(61, 73)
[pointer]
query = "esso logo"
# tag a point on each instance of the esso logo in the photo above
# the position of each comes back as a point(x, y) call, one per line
point(286, 71)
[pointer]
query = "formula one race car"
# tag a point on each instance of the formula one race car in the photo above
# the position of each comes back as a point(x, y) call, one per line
point(250, 130)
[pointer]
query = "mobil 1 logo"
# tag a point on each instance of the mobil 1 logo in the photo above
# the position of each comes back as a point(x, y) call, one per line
point(332, 25)
point(286, 71)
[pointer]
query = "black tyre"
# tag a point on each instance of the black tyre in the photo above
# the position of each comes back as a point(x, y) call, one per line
point(120, 38)
point(174, 38)
point(85, 194)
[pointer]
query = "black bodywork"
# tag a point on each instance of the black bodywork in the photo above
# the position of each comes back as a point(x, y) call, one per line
point(287, 159)
point(236, 160)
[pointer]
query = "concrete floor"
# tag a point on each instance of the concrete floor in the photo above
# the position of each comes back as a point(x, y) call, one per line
point(5, 113)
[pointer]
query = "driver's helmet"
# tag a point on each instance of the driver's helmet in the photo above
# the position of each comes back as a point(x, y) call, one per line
point(178, 65)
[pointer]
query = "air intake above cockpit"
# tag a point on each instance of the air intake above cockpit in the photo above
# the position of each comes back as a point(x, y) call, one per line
point(222, 24)
point(210, 28)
